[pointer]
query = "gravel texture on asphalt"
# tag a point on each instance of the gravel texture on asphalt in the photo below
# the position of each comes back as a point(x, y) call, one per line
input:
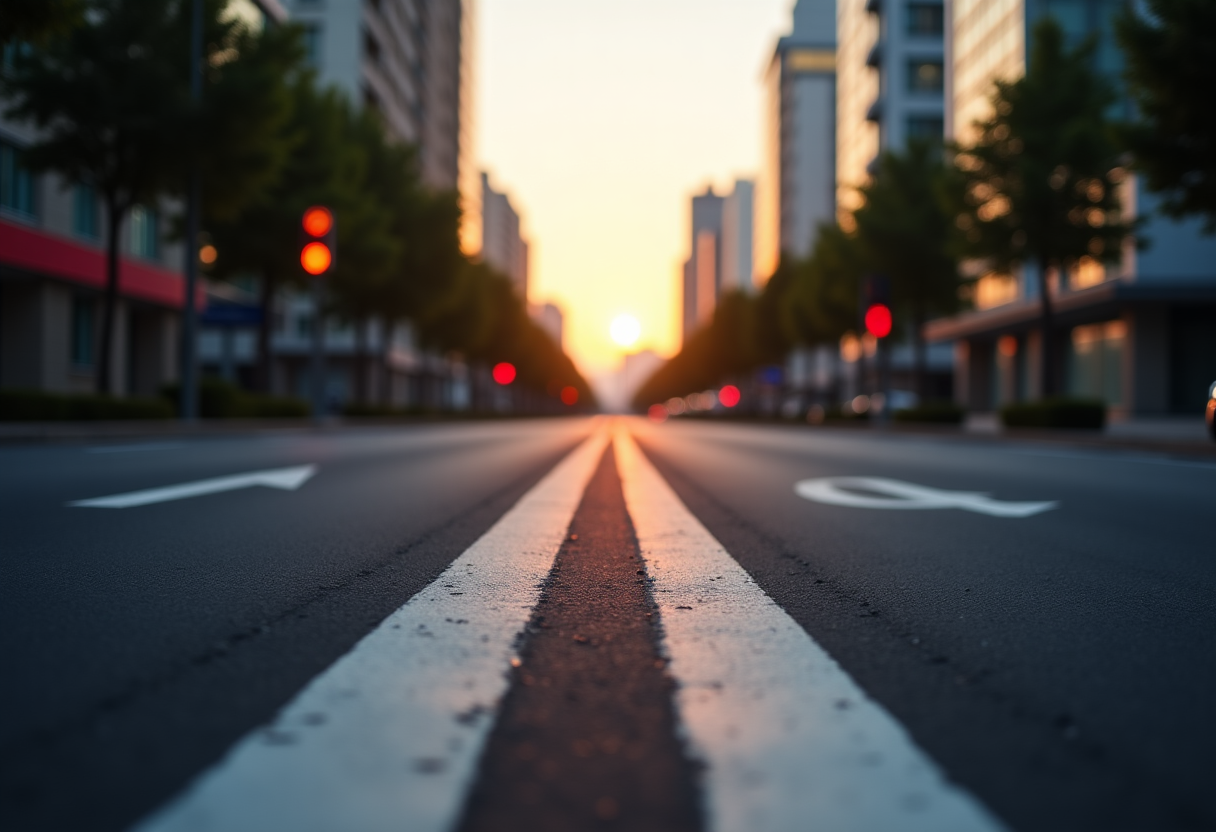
point(586, 738)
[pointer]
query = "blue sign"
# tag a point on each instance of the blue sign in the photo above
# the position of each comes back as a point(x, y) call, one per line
point(231, 314)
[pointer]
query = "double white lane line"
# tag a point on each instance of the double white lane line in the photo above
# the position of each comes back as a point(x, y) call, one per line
point(390, 736)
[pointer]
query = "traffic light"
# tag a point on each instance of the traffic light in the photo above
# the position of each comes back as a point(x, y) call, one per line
point(318, 242)
point(878, 320)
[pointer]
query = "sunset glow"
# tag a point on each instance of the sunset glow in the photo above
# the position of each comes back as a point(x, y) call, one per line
point(601, 154)
point(625, 330)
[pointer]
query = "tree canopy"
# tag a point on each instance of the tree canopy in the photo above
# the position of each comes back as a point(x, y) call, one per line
point(1171, 73)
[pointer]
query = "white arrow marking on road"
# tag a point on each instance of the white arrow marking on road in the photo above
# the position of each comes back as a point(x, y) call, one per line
point(287, 479)
point(903, 496)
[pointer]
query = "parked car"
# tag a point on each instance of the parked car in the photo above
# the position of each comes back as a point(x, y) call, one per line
point(1211, 414)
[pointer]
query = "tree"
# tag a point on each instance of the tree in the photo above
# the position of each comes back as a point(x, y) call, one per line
point(1039, 185)
point(111, 100)
point(263, 238)
point(1171, 71)
point(821, 303)
point(904, 230)
point(34, 21)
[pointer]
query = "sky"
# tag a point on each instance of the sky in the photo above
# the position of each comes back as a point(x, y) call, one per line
point(601, 120)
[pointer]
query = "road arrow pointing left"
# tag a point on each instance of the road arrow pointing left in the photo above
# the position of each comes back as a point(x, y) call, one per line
point(287, 479)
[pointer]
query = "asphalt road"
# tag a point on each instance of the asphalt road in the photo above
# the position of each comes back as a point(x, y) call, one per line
point(1060, 666)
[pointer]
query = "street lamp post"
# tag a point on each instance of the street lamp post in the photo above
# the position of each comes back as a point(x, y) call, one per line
point(188, 400)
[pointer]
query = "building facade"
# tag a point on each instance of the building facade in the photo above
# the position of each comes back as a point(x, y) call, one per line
point(503, 247)
point(701, 269)
point(548, 316)
point(797, 189)
point(738, 237)
point(890, 85)
point(53, 275)
point(1139, 334)
point(409, 61)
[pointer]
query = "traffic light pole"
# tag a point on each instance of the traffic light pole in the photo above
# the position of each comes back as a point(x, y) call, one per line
point(188, 395)
point(317, 371)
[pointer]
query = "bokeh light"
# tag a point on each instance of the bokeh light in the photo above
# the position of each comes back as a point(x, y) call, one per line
point(318, 221)
point(657, 413)
point(729, 395)
point(878, 320)
point(569, 396)
point(316, 258)
point(504, 373)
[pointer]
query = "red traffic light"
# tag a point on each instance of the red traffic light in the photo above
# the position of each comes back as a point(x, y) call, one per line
point(318, 240)
point(878, 320)
point(504, 373)
point(318, 221)
point(316, 258)
point(729, 395)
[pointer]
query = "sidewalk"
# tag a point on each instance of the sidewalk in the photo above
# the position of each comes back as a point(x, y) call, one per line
point(1170, 434)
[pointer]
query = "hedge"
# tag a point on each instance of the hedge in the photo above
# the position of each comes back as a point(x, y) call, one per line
point(1076, 414)
point(940, 413)
point(40, 406)
point(217, 399)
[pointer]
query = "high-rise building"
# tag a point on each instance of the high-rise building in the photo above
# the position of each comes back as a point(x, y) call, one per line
point(702, 275)
point(502, 246)
point(890, 84)
point(410, 61)
point(738, 221)
point(1139, 334)
point(548, 317)
point(797, 190)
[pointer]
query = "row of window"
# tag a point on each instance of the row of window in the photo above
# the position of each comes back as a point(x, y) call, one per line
point(17, 196)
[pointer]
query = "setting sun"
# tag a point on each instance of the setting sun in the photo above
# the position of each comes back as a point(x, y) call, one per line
point(625, 330)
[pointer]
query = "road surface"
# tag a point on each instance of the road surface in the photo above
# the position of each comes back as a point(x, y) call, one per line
point(588, 623)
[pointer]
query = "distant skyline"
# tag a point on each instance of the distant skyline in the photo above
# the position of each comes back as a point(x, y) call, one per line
point(601, 120)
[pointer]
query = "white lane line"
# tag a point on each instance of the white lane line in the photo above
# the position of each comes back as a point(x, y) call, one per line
point(907, 496)
point(287, 479)
point(788, 739)
point(388, 738)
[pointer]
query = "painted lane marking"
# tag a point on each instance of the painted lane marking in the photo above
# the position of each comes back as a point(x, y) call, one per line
point(287, 479)
point(389, 737)
point(905, 496)
point(789, 741)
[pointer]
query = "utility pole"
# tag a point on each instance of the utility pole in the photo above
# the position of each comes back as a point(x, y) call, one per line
point(188, 399)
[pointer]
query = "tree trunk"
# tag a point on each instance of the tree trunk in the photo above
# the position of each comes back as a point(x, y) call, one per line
point(385, 392)
point(919, 362)
point(361, 361)
point(1047, 368)
point(265, 327)
point(109, 299)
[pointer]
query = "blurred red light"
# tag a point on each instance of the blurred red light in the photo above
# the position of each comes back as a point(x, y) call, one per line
point(504, 373)
point(657, 413)
point(878, 321)
point(729, 395)
point(569, 396)
point(316, 258)
point(318, 221)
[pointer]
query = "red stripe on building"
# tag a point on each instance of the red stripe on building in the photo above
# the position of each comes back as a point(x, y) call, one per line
point(36, 251)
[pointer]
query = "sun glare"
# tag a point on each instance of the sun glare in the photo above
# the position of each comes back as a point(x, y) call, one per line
point(625, 330)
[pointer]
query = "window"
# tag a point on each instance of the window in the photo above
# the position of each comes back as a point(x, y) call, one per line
point(304, 325)
point(84, 212)
point(16, 181)
point(312, 44)
point(1096, 361)
point(925, 128)
point(84, 312)
point(145, 242)
point(371, 48)
point(925, 76)
point(925, 19)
